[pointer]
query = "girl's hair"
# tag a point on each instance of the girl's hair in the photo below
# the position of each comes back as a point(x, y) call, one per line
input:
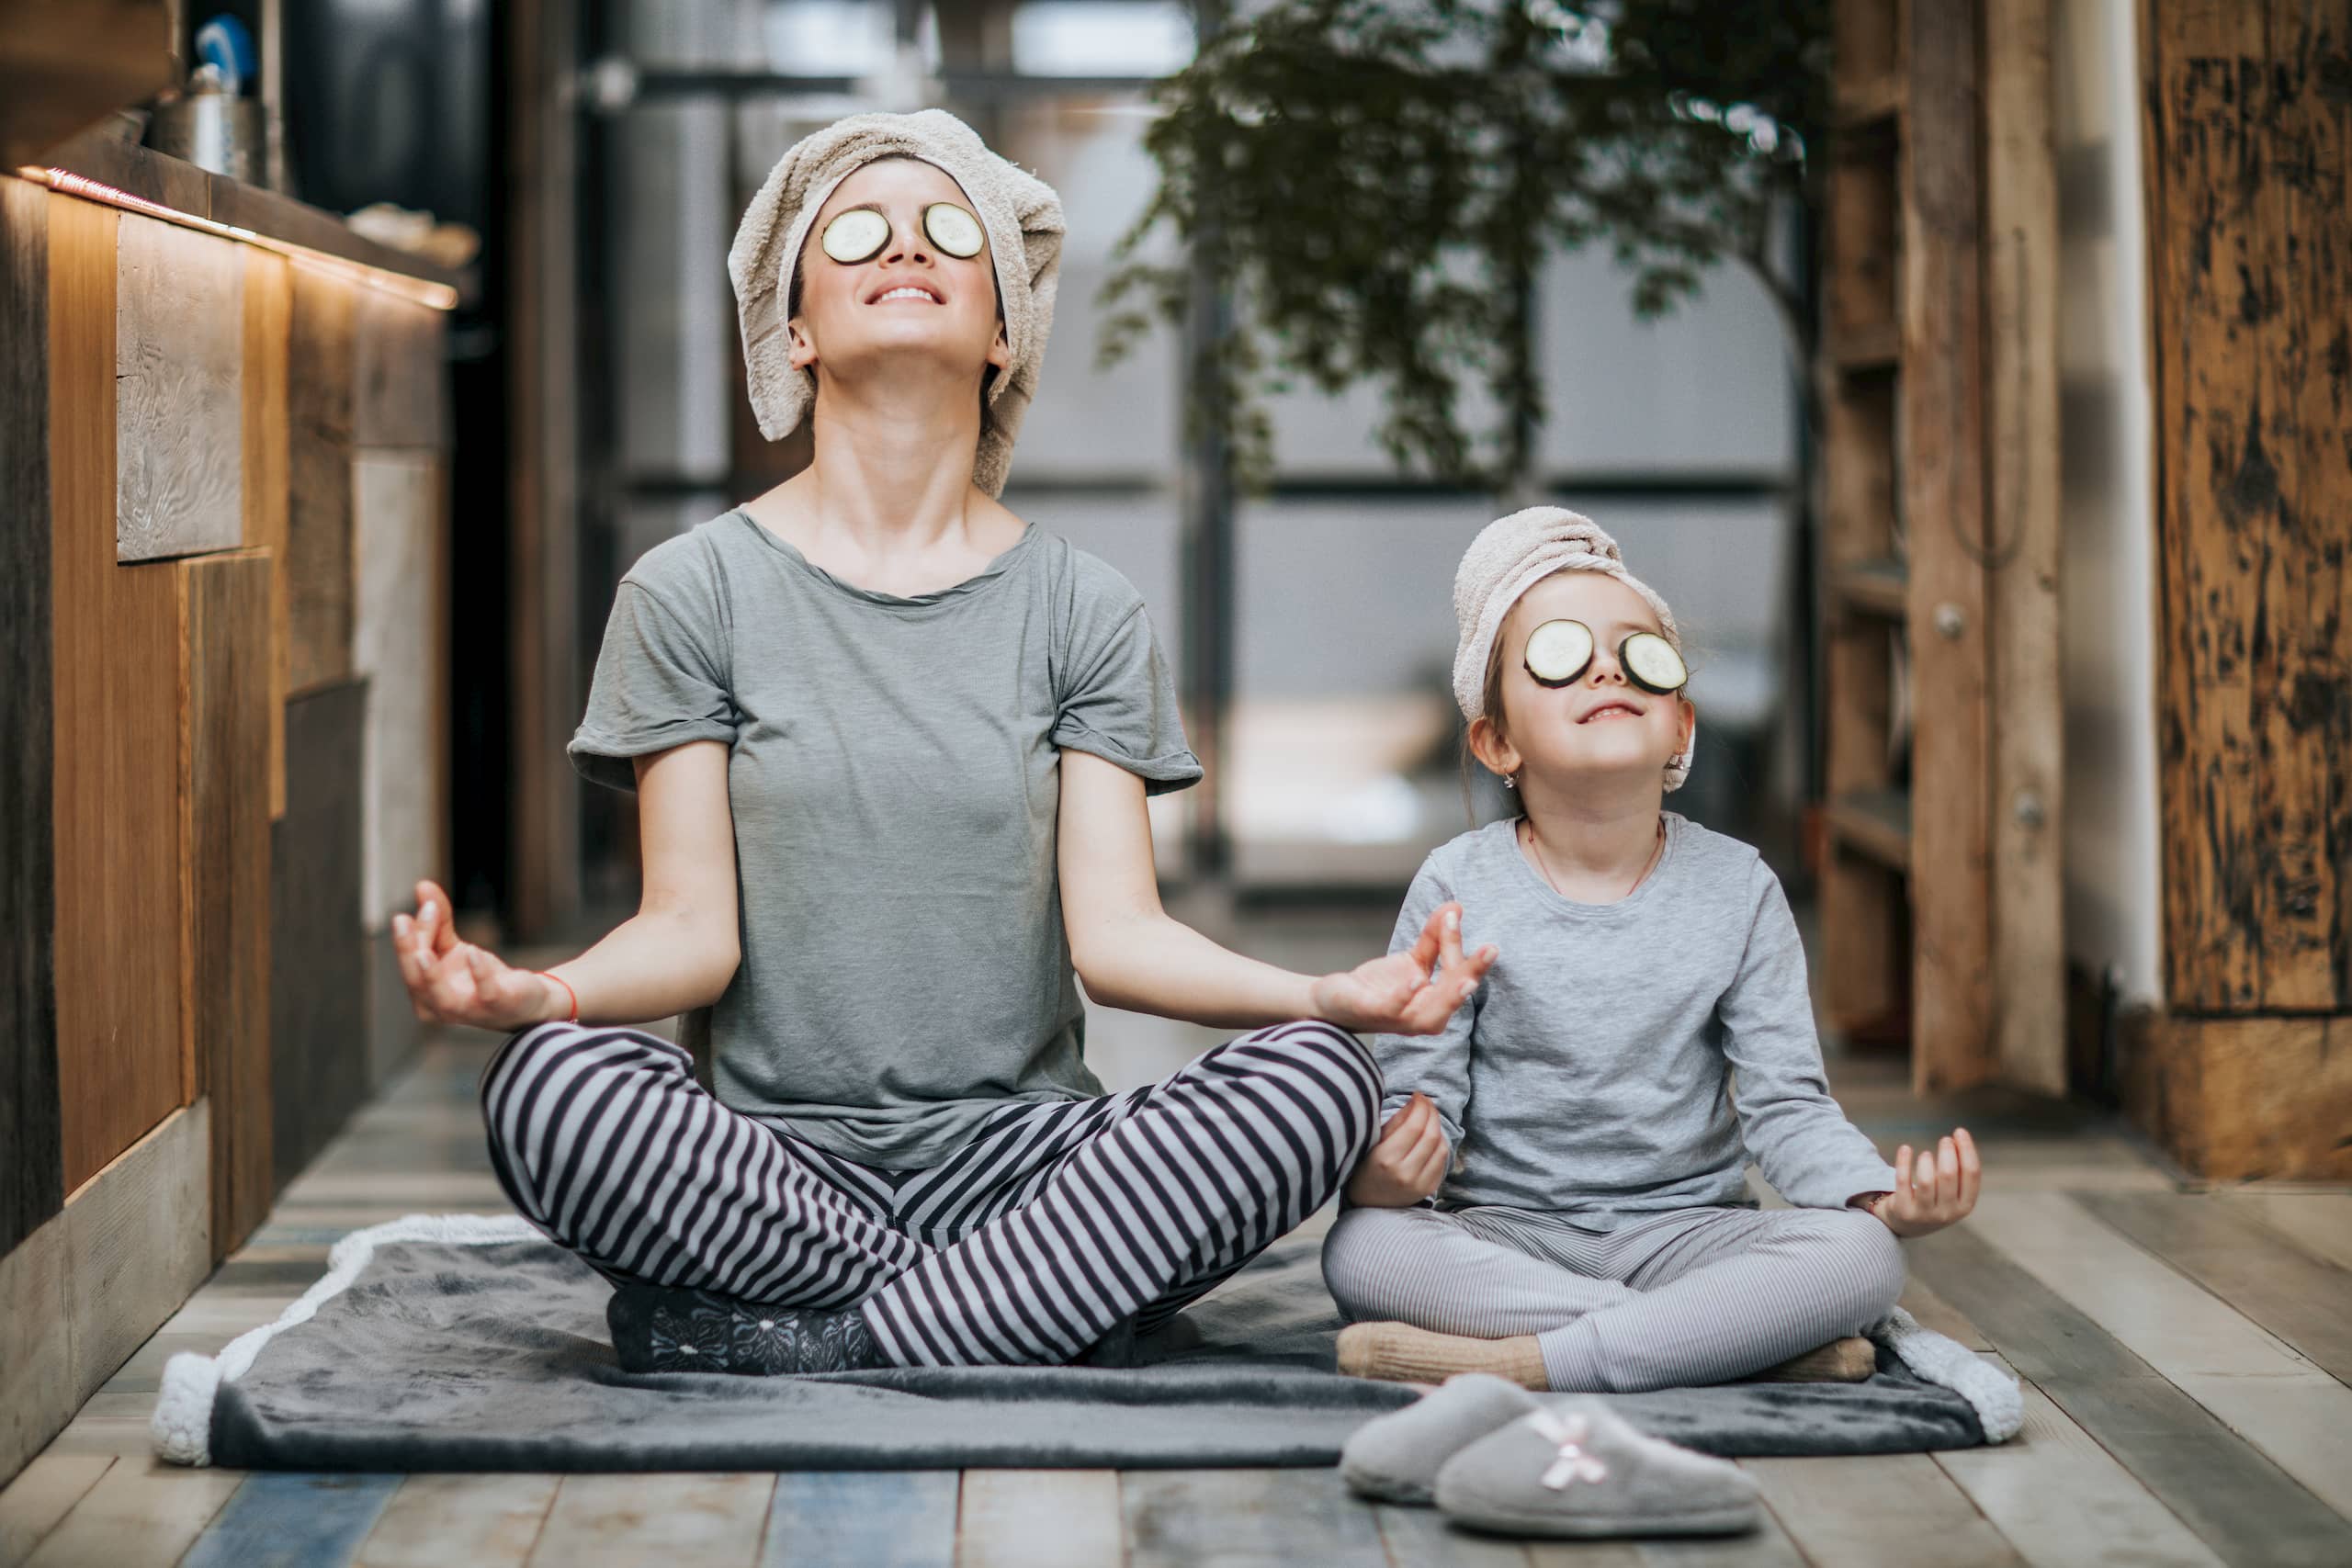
point(1491, 704)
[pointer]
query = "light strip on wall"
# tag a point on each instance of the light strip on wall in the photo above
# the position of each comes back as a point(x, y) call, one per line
point(417, 290)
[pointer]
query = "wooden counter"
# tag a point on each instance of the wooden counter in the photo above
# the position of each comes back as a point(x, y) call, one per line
point(222, 602)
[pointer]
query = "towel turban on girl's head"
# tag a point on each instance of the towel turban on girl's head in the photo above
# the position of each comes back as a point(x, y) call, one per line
point(1023, 220)
point(1512, 554)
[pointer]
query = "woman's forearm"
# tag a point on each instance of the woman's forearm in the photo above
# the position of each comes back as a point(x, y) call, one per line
point(656, 965)
point(1153, 963)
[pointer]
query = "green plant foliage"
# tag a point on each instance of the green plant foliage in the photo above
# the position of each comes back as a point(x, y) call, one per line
point(1378, 181)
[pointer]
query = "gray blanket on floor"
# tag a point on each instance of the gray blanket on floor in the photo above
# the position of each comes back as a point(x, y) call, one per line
point(492, 1355)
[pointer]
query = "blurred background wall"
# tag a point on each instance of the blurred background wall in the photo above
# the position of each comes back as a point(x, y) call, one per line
point(1342, 768)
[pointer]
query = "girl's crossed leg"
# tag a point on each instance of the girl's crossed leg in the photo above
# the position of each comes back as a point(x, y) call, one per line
point(1690, 1297)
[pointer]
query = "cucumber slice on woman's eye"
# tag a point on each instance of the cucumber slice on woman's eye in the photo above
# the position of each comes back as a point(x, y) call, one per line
point(952, 229)
point(1559, 651)
point(1652, 662)
point(856, 235)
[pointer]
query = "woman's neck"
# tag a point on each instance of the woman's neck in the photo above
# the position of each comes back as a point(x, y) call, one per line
point(888, 500)
point(1595, 847)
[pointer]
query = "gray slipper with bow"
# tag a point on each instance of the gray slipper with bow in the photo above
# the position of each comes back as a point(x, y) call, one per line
point(1394, 1457)
point(1575, 1469)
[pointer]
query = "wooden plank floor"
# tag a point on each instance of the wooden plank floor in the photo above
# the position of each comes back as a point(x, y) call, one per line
point(2187, 1355)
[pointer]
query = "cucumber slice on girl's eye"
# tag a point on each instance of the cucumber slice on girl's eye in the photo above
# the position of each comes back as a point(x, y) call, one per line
point(952, 229)
point(1559, 651)
point(1652, 662)
point(856, 235)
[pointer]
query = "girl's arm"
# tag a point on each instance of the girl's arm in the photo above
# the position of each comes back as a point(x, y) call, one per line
point(679, 950)
point(1132, 953)
point(1798, 1135)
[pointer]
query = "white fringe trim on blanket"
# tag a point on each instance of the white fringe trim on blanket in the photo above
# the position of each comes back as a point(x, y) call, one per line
point(181, 1428)
point(1937, 1359)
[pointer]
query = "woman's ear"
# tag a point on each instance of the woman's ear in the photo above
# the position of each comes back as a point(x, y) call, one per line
point(1498, 755)
point(1001, 351)
point(804, 351)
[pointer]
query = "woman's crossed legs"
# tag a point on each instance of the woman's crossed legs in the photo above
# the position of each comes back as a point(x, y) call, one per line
point(1029, 1244)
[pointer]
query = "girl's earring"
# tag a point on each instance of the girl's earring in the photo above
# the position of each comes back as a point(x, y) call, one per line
point(1510, 780)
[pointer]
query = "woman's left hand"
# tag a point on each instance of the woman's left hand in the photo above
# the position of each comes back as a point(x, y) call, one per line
point(1936, 1190)
point(1395, 995)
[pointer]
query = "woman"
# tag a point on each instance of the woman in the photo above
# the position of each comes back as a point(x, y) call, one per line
point(891, 748)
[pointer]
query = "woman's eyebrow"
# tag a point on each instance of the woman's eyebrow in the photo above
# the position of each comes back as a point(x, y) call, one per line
point(862, 207)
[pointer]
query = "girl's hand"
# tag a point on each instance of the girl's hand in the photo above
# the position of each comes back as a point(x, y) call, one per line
point(1395, 995)
point(1406, 1163)
point(454, 982)
point(1938, 1190)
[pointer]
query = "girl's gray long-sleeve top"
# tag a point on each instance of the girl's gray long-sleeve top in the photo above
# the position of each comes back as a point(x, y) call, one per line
point(1626, 1058)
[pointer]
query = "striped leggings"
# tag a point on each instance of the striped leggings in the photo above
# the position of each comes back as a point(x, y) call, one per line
point(1056, 1224)
point(1664, 1301)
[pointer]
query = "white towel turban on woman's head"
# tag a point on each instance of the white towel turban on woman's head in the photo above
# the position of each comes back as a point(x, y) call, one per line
point(1512, 554)
point(1021, 212)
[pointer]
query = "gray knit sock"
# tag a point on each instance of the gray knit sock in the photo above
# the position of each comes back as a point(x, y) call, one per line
point(1394, 1457)
point(658, 1329)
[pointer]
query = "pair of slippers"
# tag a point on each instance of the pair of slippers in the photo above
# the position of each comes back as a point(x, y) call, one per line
point(1492, 1457)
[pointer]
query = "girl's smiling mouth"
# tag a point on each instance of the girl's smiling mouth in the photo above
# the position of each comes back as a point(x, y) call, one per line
point(1613, 708)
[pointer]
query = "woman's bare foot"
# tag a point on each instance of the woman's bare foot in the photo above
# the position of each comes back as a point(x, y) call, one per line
point(1851, 1360)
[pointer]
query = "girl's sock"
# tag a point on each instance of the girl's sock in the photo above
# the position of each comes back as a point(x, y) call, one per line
point(1400, 1353)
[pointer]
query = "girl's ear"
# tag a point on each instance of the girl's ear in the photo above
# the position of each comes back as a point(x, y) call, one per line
point(1498, 755)
point(1690, 723)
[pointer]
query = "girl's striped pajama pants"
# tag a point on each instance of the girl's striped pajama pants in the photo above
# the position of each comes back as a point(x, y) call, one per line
point(1058, 1223)
point(1640, 1302)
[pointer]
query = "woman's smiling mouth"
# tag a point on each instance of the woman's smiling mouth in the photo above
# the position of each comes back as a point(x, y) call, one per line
point(906, 291)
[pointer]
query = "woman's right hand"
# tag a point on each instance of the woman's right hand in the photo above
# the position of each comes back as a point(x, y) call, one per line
point(451, 981)
point(1406, 1163)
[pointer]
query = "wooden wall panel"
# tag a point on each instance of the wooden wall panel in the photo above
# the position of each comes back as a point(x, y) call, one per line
point(31, 1167)
point(116, 815)
point(2245, 1098)
point(89, 1287)
point(317, 520)
point(400, 645)
point(225, 759)
point(318, 976)
point(2021, 509)
point(179, 342)
point(1943, 510)
point(398, 508)
point(399, 395)
point(2248, 142)
point(268, 309)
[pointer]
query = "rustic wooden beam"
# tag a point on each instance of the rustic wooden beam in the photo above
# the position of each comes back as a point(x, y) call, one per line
point(1943, 509)
point(2245, 1098)
point(2021, 504)
point(31, 1166)
point(543, 565)
point(2250, 244)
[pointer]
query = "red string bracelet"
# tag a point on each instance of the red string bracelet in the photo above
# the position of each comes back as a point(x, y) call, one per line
point(568, 991)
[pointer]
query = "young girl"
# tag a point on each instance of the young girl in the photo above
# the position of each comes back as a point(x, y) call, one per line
point(1557, 1195)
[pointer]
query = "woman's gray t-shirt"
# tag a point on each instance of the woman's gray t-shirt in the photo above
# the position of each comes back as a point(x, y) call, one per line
point(894, 776)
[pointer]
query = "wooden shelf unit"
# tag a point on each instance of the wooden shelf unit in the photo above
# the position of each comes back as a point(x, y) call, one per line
point(1939, 886)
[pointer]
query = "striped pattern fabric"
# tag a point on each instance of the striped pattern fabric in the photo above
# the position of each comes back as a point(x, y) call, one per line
point(1658, 1300)
point(1056, 1224)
